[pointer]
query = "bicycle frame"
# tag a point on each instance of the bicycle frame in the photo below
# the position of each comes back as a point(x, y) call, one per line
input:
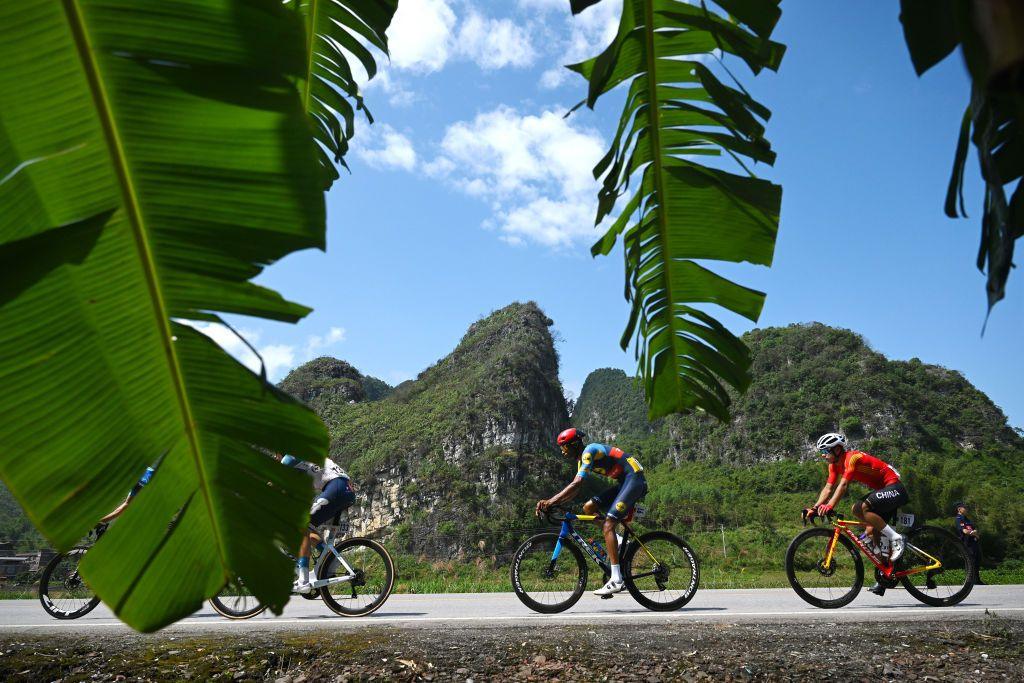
point(887, 569)
point(328, 546)
point(568, 531)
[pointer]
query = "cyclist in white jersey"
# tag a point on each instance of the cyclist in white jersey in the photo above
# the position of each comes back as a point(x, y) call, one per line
point(334, 495)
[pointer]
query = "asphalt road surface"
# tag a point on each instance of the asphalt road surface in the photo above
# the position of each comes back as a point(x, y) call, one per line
point(504, 609)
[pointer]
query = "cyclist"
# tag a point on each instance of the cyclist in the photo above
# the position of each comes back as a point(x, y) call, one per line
point(624, 482)
point(334, 495)
point(139, 485)
point(874, 509)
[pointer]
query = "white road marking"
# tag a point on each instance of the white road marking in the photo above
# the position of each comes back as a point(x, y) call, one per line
point(695, 614)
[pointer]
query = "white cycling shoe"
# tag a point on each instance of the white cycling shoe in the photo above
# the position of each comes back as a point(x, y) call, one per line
point(302, 587)
point(610, 588)
point(896, 547)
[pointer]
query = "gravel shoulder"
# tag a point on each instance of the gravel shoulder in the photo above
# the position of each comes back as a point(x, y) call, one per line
point(989, 648)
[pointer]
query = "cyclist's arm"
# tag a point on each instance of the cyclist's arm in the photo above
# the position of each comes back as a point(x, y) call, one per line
point(116, 512)
point(840, 491)
point(566, 494)
point(826, 492)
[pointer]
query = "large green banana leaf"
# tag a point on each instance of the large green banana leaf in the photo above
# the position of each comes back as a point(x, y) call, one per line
point(681, 211)
point(991, 36)
point(336, 29)
point(154, 157)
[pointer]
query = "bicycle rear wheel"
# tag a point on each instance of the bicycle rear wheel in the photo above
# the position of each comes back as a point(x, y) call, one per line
point(823, 586)
point(235, 601)
point(62, 592)
point(371, 580)
point(946, 585)
point(661, 571)
point(546, 583)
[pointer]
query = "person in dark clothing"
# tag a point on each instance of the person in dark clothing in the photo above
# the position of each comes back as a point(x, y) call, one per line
point(968, 534)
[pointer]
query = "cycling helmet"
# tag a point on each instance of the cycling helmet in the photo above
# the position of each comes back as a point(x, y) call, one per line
point(571, 441)
point(830, 441)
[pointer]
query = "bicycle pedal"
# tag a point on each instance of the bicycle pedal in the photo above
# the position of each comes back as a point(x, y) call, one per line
point(608, 597)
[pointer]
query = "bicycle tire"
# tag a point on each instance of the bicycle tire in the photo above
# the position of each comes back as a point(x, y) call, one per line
point(691, 577)
point(543, 542)
point(72, 556)
point(230, 611)
point(858, 566)
point(387, 584)
point(950, 543)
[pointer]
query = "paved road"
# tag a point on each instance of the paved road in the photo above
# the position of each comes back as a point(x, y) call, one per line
point(504, 609)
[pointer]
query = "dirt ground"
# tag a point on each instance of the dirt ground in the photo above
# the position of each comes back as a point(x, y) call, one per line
point(976, 650)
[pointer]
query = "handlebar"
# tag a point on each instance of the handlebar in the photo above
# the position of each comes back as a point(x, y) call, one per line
point(809, 515)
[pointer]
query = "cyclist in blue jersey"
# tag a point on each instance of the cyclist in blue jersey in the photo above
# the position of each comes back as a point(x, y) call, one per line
point(334, 495)
point(622, 478)
point(116, 512)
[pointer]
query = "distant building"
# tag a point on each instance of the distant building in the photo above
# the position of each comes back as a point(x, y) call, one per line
point(12, 566)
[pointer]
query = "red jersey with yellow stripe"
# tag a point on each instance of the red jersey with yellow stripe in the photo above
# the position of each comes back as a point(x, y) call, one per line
point(867, 469)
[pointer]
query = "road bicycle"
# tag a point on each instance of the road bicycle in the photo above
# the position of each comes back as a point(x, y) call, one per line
point(824, 564)
point(62, 592)
point(549, 572)
point(354, 577)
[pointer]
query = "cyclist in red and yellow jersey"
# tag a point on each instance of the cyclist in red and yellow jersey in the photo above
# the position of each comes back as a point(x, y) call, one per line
point(874, 509)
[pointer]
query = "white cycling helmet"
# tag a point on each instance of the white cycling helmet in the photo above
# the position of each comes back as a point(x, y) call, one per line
point(830, 441)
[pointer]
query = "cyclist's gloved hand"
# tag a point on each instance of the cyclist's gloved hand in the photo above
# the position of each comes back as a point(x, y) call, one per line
point(824, 509)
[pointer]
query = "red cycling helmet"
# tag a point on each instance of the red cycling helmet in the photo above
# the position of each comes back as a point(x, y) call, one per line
point(571, 441)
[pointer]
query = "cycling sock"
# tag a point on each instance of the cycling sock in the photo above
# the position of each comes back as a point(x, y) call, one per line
point(890, 533)
point(616, 573)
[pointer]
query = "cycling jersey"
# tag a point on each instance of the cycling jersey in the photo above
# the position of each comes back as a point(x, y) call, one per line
point(146, 476)
point(607, 462)
point(322, 475)
point(867, 469)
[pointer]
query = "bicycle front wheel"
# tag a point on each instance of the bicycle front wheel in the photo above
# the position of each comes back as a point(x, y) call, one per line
point(661, 571)
point(62, 592)
point(826, 585)
point(235, 601)
point(941, 586)
point(546, 582)
point(369, 572)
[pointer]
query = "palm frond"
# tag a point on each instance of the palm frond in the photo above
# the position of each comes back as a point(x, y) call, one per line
point(682, 212)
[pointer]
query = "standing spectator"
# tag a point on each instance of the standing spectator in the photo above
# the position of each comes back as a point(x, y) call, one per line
point(969, 537)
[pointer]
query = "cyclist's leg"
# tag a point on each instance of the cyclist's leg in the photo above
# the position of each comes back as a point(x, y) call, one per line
point(879, 506)
point(632, 490)
point(600, 503)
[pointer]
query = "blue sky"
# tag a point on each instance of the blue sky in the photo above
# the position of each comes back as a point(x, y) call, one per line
point(471, 192)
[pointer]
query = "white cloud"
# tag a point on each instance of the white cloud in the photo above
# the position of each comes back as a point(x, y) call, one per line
point(585, 35)
point(495, 43)
point(535, 170)
point(383, 147)
point(420, 35)
point(394, 87)
point(317, 342)
point(278, 358)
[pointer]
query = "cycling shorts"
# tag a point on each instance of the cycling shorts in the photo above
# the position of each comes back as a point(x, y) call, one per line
point(885, 500)
point(336, 497)
point(618, 502)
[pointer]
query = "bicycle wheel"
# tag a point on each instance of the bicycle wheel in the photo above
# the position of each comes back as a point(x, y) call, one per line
point(372, 577)
point(235, 601)
point(661, 571)
point(826, 587)
point(544, 584)
point(946, 585)
point(62, 592)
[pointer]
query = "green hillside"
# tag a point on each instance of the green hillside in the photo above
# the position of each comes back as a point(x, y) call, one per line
point(947, 439)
